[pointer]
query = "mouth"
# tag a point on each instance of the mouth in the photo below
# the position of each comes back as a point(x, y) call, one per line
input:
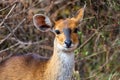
point(66, 48)
point(69, 48)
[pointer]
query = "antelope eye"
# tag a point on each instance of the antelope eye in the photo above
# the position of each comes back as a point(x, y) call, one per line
point(57, 31)
point(75, 30)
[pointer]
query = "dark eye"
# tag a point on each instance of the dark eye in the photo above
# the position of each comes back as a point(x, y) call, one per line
point(57, 31)
point(75, 30)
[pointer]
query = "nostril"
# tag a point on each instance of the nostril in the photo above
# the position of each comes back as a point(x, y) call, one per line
point(68, 43)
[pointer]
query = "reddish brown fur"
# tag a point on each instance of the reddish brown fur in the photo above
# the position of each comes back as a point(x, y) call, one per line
point(34, 67)
point(60, 25)
point(24, 67)
point(40, 20)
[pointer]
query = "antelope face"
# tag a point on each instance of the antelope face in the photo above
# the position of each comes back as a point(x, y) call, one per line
point(66, 34)
point(66, 37)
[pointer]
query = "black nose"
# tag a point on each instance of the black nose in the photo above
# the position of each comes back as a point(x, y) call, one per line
point(68, 43)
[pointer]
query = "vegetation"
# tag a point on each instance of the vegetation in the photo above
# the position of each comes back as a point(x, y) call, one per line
point(97, 57)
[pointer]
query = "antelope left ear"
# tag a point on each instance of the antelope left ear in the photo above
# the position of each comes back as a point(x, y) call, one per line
point(42, 22)
point(80, 15)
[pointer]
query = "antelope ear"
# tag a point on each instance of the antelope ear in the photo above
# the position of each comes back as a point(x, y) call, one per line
point(80, 15)
point(42, 22)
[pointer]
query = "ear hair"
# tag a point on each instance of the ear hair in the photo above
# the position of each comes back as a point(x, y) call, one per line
point(42, 22)
point(46, 19)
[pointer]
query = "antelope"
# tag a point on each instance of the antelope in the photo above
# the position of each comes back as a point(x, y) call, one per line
point(60, 65)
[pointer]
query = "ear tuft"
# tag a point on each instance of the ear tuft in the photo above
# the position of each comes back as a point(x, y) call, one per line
point(42, 22)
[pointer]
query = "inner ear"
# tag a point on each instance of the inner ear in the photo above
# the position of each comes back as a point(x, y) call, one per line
point(42, 22)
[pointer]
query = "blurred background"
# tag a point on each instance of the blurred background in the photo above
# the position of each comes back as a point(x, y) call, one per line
point(97, 57)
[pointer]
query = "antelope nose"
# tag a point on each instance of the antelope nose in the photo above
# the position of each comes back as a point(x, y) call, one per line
point(68, 43)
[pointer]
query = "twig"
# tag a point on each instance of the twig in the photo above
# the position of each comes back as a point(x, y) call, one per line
point(106, 62)
point(8, 14)
point(53, 16)
point(8, 6)
point(25, 10)
point(22, 44)
point(10, 47)
point(12, 31)
point(48, 8)
point(92, 36)
point(92, 55)
point(5, 8)
point(28, 42)
point(87, 41)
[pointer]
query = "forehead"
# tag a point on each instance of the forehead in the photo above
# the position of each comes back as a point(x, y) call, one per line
point(67, 23)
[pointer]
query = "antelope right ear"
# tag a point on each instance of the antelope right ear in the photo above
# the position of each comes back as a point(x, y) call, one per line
point(42, 22)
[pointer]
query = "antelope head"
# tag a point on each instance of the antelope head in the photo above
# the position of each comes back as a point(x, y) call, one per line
point(65, 30)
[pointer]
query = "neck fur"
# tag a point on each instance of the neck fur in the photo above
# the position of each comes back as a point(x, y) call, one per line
point(61, 65)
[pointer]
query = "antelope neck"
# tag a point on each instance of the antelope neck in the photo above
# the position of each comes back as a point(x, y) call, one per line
point(62, 64)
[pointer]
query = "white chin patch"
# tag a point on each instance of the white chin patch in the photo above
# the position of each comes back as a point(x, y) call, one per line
point(64, 48)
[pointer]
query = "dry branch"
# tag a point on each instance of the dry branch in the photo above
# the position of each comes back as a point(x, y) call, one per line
point(91, 37)
point(1, 41)
point(8, 14)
